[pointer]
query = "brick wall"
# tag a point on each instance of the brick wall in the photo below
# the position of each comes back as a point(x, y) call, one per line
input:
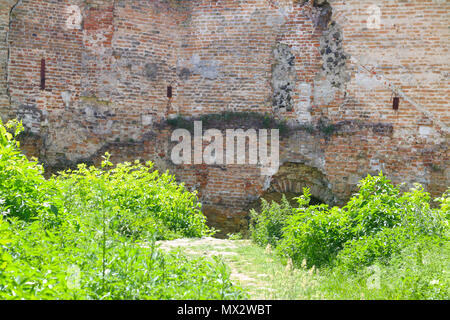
point(320, 66)
point(5, 9)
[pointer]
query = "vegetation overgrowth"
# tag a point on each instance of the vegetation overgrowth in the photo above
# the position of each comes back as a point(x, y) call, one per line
point(384, 243)
point(90, 233)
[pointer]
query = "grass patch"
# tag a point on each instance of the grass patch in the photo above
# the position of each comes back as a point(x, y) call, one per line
point(231, 120)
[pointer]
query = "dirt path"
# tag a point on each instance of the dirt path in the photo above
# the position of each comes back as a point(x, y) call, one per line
point(255, 269)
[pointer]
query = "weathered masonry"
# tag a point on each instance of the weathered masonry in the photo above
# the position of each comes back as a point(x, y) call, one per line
point(363, 86)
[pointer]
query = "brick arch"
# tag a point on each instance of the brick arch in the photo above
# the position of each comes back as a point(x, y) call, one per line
point(290, 180)
point(293, 177)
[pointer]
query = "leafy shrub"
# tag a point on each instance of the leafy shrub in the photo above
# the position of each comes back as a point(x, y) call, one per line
point(24, 192)
point(379, 205)
point(384, 244)
point(90, 233)
point(377, 222)
point(445, 204)
point(98, 263)
point(316, 234)
point(376, 206)
point(402, 220)
point(267, 225)
point(5, 239)
point(145, 200)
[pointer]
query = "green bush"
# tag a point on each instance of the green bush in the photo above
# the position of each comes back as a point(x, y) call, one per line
point(377, 222)
point(383, 244)
point(315, 234)
point(144, 200)
point(90, 233)
point(379, 205)
point(407, 219)
point(24, 192)
point(375, 207)
point(266, 226)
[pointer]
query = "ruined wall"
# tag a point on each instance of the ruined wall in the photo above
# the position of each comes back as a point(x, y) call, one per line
point(407, 54)
point(248, 56)
point(330, 69)
point(5, 10)
point(107, 67)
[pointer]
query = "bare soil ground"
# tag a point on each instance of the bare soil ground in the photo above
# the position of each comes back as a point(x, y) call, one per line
point(257, 270)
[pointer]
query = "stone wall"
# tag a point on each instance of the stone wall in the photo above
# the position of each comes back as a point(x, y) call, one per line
point(326, 68)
